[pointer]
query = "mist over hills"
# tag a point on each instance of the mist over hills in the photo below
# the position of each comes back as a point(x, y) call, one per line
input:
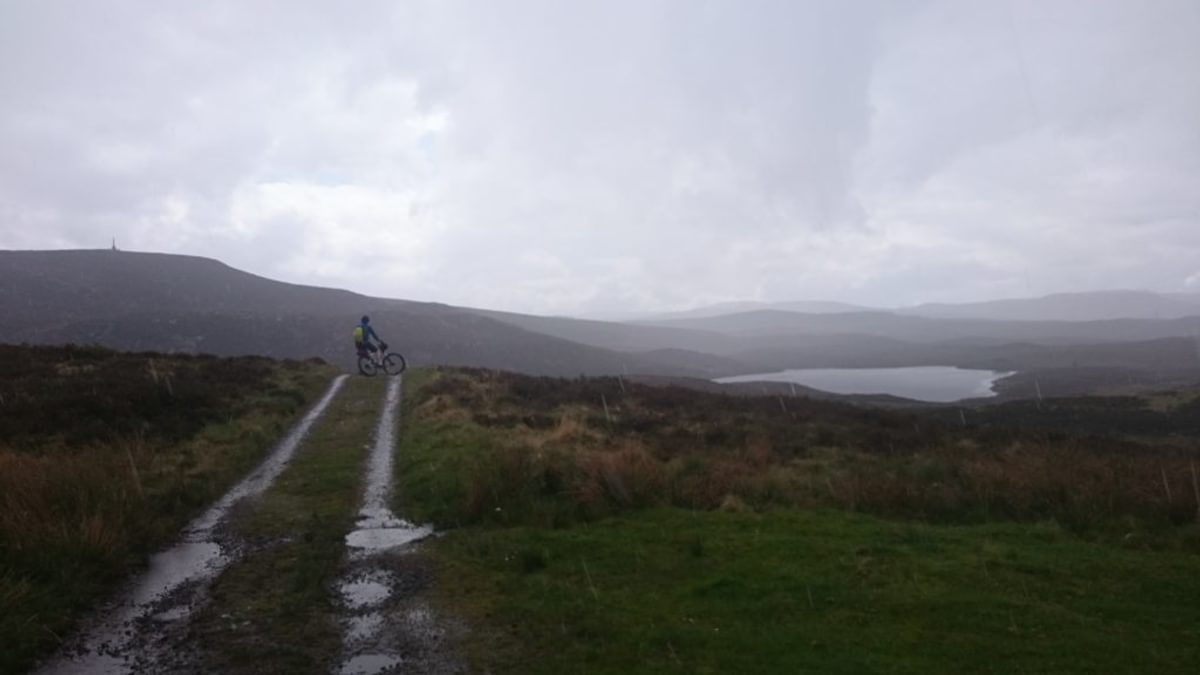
point(803, 306)
point(1084, 306)
point(148, 301)
point(1091, 306)
point(768, 323)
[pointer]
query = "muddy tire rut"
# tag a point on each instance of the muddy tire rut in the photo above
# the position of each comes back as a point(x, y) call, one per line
point(130, 633)
point(370, 602)
point(387, 626)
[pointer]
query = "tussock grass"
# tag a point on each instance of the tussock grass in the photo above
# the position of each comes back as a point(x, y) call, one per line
point(104, 456)
point(498, 447)
point(697, 533)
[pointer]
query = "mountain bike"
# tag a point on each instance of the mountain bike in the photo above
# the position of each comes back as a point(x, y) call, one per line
point(380, 360)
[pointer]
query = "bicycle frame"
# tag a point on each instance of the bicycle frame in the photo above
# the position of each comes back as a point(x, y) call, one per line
point(380, 360)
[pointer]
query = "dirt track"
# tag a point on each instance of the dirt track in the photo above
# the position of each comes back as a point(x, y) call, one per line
point(386, 626)
point(384, 622)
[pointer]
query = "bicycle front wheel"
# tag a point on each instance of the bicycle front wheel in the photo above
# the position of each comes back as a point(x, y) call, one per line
point(393, 364)
point(367, 366)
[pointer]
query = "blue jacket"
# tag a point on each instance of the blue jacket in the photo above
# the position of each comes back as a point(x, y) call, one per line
point(366, 333)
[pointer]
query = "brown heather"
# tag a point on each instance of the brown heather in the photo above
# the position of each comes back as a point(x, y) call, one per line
point(104, 456)
point(551, 454)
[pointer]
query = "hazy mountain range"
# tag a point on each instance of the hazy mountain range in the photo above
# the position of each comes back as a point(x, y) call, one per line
point(1090, 306)
point(182, 303)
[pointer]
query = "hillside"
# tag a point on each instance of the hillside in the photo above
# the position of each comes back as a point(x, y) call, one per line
point(48, 289)
point(721, 309)
point(629, 337)
point(768, 340)
point(146, 301)
point(165, 302)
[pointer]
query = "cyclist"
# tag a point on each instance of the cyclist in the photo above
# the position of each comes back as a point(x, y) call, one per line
point(362, 338)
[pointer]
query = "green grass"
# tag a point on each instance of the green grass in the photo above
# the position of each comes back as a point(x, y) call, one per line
point(272, 612)
point(703, 534)
point(797, 591)
point(104, 456)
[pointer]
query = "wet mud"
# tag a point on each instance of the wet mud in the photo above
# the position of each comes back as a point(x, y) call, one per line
point(134, 633)
point(386, 625)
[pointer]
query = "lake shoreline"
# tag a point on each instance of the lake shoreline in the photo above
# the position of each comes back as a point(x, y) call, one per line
point(927, 384)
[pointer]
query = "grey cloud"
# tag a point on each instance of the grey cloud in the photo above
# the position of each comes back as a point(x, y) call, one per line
point(623, 155)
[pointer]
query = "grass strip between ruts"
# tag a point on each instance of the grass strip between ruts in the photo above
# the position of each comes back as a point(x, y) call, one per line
point(273, 611)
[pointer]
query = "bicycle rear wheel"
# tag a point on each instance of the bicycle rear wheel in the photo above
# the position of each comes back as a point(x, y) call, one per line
point(367, 366)
point(394, 364)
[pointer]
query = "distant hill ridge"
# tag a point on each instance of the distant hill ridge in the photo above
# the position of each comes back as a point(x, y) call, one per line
point(1078, 306)
point(1086, 306)
point(91, 284)
point(154, 301)
point(151, 301)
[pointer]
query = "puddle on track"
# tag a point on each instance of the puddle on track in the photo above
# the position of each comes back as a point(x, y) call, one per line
point(173, 614)
point(175, 566)
point(377, 527)
point(369, 664)
point(369, 591)
point(115, 640)
point(369, 541)
point(379, 534)
point(364, 627)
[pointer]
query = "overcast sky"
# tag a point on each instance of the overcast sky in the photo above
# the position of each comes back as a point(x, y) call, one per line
point(574, 157)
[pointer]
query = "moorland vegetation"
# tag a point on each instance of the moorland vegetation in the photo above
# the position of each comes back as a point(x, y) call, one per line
point(105, 455)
